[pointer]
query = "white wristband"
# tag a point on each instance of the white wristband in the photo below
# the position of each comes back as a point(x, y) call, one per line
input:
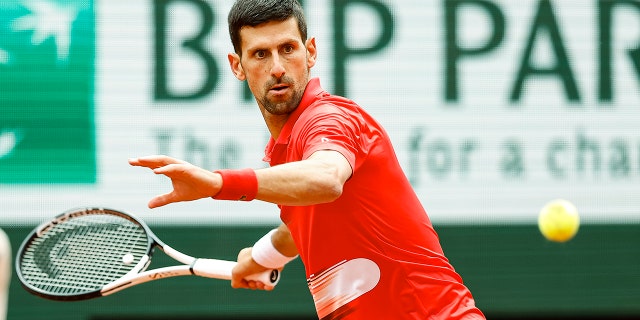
point(266, 255)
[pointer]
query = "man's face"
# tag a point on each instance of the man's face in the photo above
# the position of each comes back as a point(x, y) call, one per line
point(276, 64)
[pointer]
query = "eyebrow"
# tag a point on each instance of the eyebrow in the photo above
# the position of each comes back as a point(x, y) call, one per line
point(286, 41)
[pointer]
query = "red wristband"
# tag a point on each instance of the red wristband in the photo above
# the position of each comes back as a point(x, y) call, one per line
point(238, 185)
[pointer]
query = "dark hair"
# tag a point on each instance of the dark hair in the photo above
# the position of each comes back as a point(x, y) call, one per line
point(255, 12)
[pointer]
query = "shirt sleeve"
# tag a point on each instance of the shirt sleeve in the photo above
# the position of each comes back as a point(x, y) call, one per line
point(326, 127)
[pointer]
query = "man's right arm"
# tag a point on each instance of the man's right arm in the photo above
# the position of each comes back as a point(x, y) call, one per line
point(273, 251)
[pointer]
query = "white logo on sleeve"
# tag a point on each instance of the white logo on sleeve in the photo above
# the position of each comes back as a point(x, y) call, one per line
point(343, 283)
point(325, 139)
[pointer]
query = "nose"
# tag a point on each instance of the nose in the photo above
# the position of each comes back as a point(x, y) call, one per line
point(277, 69)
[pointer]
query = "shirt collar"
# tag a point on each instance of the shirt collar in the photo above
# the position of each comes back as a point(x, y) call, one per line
point(312, 91)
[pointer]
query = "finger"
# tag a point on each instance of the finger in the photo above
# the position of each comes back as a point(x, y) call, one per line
point(154, 161)
point(257, 285)
point(134, 161)
point(266, 287)
point(239, 284)
point(250, 284)
point(161, 200)
point(167, 169)
point(145, 162)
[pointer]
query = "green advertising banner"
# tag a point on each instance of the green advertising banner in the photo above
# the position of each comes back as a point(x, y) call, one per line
point(494, 107)
point(47, 51)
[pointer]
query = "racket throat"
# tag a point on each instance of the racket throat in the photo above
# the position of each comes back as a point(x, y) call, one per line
point(128, 279)
point(135, 279)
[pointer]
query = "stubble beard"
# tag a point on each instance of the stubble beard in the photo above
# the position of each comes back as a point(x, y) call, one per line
point(282, 107)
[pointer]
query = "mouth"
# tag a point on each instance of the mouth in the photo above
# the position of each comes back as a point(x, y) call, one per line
point(279, 88)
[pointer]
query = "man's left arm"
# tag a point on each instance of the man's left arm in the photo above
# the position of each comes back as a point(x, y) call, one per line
point(317, 179)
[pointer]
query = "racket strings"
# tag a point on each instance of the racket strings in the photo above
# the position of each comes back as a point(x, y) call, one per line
point(83, 254)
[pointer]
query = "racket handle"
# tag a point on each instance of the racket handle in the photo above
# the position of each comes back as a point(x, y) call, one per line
point(221, 269)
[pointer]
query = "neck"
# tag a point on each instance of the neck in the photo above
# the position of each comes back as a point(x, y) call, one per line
point(274, 122)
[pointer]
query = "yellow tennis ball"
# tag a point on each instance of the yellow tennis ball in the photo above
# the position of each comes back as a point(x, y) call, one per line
point(559, 220)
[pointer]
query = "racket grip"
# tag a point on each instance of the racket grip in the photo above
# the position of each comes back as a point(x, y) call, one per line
point(221, 269)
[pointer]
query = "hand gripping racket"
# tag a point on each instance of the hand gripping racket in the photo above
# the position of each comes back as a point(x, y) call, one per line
point(93, 252)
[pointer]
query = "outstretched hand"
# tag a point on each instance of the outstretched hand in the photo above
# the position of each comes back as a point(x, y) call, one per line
point(189, 181)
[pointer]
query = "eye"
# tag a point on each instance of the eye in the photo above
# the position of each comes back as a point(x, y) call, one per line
point(260, 54)
point(288, 49)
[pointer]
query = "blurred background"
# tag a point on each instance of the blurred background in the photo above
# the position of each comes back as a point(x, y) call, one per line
point(495, 108)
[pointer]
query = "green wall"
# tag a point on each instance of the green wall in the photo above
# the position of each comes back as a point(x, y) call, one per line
point(512, 271)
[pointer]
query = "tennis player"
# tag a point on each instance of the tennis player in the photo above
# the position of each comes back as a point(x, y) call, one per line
point(348, 210)
point(5, 273)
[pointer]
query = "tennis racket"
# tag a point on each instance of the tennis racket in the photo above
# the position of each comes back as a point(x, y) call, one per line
point(93, 252)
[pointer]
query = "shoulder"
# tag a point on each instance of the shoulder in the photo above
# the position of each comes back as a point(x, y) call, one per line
point(333, 106)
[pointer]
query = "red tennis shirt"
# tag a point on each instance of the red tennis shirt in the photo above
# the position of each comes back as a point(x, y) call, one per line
point(372, 253)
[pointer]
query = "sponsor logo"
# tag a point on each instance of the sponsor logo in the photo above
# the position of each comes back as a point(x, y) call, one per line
point(47, 51)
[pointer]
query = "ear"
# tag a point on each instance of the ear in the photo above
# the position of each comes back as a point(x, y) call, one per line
point(236, 66)
point(312, 52)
